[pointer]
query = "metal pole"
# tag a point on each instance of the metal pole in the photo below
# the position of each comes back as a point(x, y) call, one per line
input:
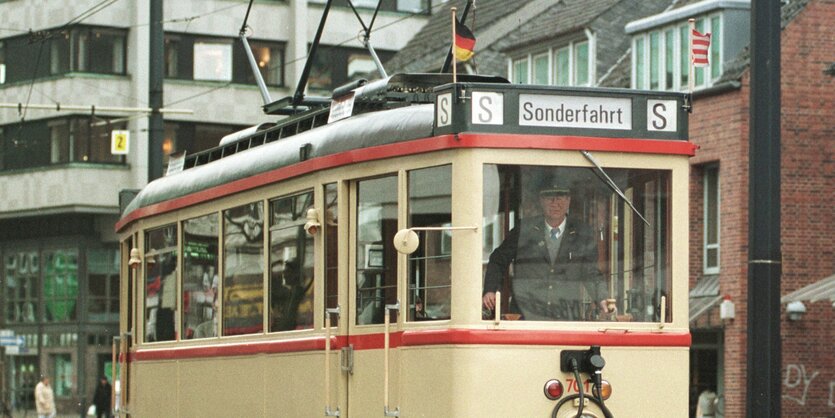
point(764, 256)
point(156, 61)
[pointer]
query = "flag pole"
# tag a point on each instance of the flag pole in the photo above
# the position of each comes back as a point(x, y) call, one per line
point(454, 59)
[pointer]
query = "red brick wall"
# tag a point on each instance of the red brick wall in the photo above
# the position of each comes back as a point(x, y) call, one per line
point(808, 209)
point(719, 125)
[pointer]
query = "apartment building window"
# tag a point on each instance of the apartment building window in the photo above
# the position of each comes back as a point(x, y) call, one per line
point(336, 66)
point(520, 71)
point(661, 57)
point(711, 219)
point(213, 60)
point(406, 6)
point(57, 141)
point(52, 52)
point(99, 50)
point(190, 57)
point(571, 66)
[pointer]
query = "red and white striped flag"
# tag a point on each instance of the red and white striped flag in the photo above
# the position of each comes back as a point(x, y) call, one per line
point(699, 47)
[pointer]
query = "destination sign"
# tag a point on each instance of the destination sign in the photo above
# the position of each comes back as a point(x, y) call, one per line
point(575, 111)
point(550, 110)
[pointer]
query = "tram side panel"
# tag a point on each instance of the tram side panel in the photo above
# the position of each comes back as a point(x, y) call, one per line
point(508, 381)
point(285, 385)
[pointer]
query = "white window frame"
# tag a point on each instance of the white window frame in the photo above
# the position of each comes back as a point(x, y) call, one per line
point(552, 54)
point(708, 80)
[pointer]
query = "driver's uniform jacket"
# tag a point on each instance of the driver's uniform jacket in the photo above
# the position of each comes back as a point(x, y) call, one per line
point(568, 289)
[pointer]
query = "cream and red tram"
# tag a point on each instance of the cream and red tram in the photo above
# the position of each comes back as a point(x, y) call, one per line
point(265, 279)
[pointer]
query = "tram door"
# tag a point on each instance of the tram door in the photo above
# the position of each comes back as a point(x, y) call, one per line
point(373, 294)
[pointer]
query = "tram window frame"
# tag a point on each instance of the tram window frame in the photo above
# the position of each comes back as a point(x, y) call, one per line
point(626, 250)
point(160, 257)
point(203, 287)
point(243, 272)
point(291, 299)
point(331, 244)
point(432, 261)
point(370, 243)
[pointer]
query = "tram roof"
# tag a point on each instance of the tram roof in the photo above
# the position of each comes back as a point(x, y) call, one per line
point(413, 116)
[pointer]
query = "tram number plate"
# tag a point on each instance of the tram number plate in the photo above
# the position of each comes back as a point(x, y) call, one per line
point(572, 386)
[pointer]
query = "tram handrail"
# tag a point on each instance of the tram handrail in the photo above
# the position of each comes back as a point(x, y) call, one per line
point(328, 313)
point(396, 412)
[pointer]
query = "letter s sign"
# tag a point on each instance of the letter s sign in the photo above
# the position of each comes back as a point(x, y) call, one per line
point(443, 110)
point(661, 115)
point(487, 108)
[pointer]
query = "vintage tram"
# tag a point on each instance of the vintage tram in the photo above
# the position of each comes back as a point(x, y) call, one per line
point(334, 264)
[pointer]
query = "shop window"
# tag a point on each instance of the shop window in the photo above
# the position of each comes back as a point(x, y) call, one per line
point(376, 260)
point(62, 368)
point(243, 271)
point(291, 264)
point(160, 283)
point(60, 285)
point(200, 279)
point(430, 266)
point(21, 277)
point(103, 284)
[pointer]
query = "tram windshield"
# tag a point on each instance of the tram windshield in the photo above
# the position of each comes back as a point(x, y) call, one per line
point(560, 244)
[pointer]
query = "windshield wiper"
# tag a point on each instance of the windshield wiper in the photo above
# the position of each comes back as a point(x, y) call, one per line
point(609, 182)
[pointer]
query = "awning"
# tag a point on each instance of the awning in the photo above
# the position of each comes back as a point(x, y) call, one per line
point(704, 296)
point(814, 292)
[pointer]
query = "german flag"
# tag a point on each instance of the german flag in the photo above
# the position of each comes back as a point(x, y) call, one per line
point(464, 42)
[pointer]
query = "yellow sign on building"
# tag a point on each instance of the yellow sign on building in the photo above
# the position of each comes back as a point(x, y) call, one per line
point(119, 142)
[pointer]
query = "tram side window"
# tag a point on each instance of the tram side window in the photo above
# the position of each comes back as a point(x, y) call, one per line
point(561, 245)
point(160, 283)
point(430, 205)
point(376, 258)
point(243, 271)
point(331, 232)
point(291, 264)
point(200, 279)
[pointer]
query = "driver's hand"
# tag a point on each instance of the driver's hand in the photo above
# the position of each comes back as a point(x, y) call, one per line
point(604, 307)
point(489, 300)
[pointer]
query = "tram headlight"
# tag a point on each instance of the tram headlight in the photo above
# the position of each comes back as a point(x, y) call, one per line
point(607, 389)
point(553, 389)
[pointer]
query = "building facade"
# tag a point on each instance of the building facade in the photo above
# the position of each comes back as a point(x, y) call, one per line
point(71, 73)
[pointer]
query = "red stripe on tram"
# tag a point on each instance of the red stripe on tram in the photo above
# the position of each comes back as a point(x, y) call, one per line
point(419, 146)
point(416, 338)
